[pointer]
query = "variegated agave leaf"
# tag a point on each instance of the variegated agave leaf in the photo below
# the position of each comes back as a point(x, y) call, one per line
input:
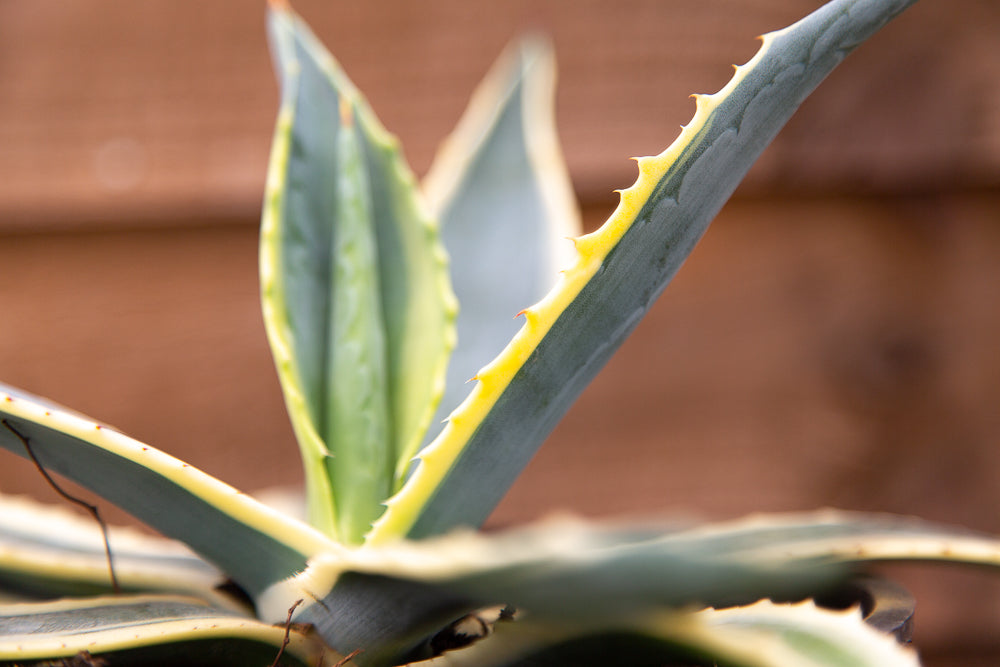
point(352, 275)
point(354, 287)
point(620, 270)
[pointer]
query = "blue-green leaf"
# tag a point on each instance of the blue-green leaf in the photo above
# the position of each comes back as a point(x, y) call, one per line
point(354, 286)
point(621, 269)
point(502, 192)
point(149, 630)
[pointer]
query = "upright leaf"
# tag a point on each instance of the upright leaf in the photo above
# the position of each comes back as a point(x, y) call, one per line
point(502, 192)
point(621, 269)
point(253, 544)
point(354, 286)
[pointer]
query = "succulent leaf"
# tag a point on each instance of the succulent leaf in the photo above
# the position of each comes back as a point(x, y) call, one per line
point(250, 542)
point(620, 270)
point(501, 190)
point(354, 286)
point(389, 600)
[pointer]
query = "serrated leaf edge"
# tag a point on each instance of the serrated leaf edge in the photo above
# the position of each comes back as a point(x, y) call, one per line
point(435, 460)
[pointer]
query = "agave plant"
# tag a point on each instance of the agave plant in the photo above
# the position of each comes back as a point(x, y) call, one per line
point(358, 268)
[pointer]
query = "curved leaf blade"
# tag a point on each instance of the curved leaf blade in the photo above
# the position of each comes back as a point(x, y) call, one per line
point(501, 190)
point(620, 271)
point(354, 287)
point(760, 635)
point(389, 599)
point(248, 541)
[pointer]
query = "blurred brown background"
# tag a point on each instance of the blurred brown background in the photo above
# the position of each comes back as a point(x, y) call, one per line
point(833, 340)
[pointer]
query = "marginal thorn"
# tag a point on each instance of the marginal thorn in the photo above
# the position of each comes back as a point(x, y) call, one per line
point(346, 112)
point(647, 165)
point(531, 315)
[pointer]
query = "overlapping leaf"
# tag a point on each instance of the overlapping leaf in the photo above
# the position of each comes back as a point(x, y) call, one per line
point(620, 271)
